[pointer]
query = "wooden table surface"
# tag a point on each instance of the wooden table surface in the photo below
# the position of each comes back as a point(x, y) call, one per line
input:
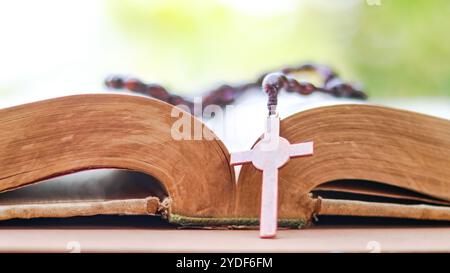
point(318, 239)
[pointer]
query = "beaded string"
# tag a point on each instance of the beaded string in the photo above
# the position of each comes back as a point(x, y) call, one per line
point(227, 94)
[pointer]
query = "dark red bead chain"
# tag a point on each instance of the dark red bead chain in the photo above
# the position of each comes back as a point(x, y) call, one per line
point(227, 94)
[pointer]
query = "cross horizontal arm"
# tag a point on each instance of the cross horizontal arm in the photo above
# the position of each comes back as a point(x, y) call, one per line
point(239, 158)
point(306, 148)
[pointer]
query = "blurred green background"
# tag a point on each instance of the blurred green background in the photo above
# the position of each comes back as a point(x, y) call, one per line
point(395, 48)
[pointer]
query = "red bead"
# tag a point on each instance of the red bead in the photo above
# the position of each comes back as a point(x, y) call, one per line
point(306, 88)
point(114, 81)
point(293, 86)
point(176, 100)
point(134, 85)
point(157, 92)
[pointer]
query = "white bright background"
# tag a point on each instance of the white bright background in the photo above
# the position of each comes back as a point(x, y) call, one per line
point(48, 51)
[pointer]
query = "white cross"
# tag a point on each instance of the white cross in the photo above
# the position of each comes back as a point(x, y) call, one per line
point(268, 155)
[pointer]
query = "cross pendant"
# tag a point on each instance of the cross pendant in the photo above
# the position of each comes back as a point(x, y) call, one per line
point(268, 155)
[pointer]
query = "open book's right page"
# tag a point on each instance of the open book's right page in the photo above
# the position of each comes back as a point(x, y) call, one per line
point(244, 122)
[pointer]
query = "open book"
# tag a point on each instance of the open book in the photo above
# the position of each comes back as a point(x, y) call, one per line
point(368, 161)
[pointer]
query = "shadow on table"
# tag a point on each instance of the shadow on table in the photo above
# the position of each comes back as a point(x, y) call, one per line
point(346, 221)
point(148, 222)
point(89, 222)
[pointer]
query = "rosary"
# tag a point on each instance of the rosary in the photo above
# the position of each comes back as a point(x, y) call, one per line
point(272, 151)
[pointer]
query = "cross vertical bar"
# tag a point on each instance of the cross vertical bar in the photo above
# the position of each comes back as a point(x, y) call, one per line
point(269, 203)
